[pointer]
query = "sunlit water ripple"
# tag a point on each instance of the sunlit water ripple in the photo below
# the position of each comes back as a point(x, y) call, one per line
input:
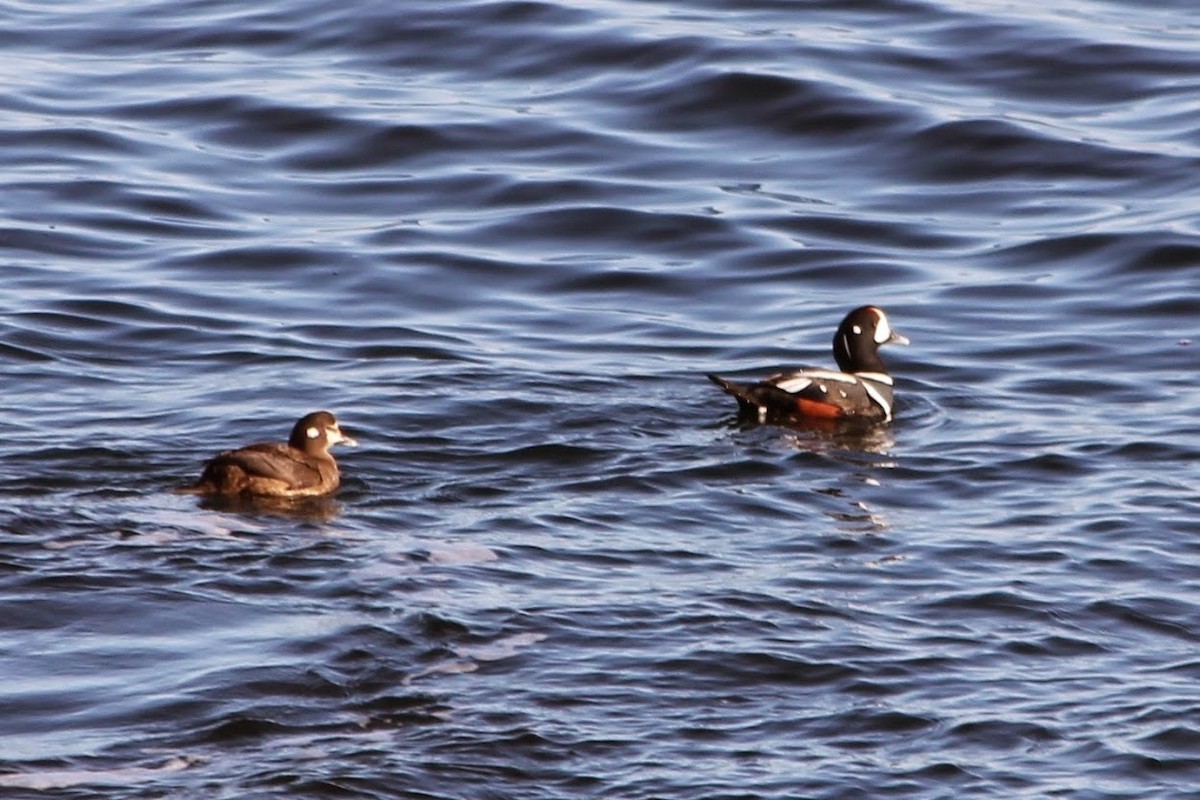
point(504, 241)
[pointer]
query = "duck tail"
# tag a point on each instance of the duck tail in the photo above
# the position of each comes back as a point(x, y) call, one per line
point(742, 393)
point(727, 386)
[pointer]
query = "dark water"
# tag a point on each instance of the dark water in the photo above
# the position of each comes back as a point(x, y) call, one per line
point(504, 241)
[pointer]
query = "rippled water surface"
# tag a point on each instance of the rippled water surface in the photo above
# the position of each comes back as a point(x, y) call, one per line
point(504, 241)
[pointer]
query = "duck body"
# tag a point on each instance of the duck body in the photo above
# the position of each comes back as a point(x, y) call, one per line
point(301, 467)
point(860, 390)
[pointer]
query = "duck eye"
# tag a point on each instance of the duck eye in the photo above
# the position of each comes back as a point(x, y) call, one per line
point(312, 433)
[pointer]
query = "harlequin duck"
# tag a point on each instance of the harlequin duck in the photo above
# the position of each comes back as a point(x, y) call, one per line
point(862, 390)
point(301, 468)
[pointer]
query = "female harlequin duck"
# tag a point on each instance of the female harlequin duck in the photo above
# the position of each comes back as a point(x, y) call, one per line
point(301, 468)
point(861, 391)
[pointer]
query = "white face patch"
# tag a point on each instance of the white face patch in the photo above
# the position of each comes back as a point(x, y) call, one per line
point(857, 330)
point(883, 331)
point(312, 433)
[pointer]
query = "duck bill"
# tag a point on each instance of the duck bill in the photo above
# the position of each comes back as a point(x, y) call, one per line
point(342, 438)
point(897, 338)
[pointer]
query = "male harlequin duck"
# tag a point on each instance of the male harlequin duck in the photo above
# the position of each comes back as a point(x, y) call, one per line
point(301, 468)
point(861, 391)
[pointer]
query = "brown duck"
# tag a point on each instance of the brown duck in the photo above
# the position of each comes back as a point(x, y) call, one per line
point(302, 467)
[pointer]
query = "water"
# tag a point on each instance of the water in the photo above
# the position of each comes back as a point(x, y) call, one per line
point(504, 241)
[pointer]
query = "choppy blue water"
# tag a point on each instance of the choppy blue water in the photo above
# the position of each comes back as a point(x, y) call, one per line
point(504, 241)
